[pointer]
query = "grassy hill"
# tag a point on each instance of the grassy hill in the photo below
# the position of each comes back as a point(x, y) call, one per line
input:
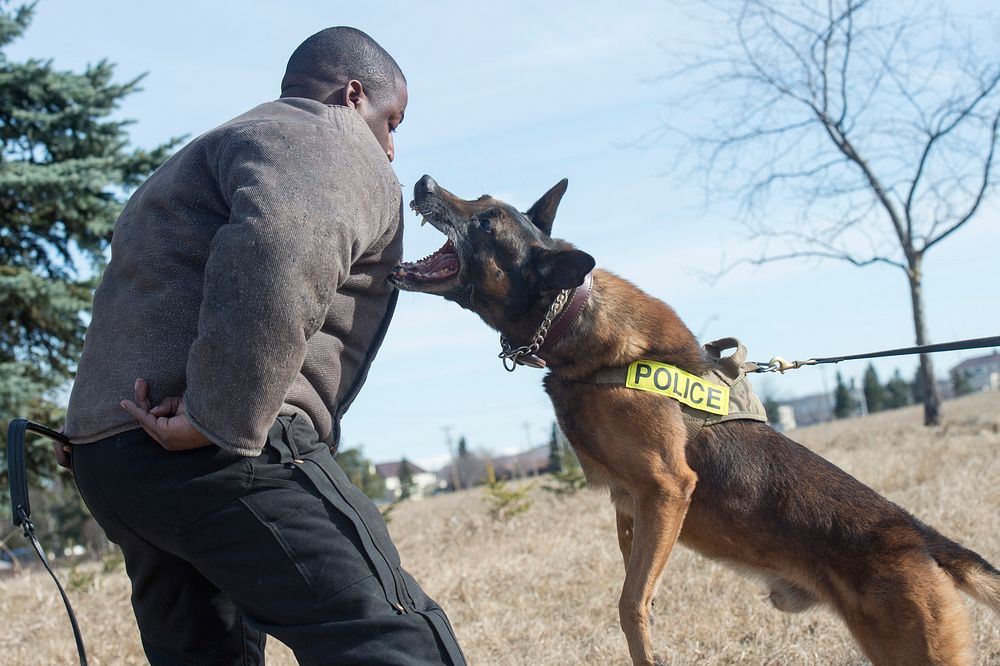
point(543, 588)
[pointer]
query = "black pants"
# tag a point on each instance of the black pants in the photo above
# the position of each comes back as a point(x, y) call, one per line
point(223, 549)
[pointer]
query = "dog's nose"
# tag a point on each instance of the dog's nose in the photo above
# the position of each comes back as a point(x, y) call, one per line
point(424, 186)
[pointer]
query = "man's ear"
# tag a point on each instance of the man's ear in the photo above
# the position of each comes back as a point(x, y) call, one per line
point(354, 94)
point(543, 213)
point(563, 269)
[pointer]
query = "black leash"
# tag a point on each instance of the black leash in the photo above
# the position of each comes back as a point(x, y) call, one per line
point(21, 507)
point(778, 364)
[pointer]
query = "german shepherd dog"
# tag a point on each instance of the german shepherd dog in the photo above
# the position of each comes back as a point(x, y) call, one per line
point(744, 493)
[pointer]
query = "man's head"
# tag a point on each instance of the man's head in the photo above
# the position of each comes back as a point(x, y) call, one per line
point(345, 66)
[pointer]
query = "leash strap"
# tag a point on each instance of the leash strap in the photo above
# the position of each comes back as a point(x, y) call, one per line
point(778, 364)
point(21, 507)
point(976, 343)
point(29, 533)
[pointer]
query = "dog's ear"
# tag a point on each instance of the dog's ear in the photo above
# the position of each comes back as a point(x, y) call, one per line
point(543, 213)
point(563, 269)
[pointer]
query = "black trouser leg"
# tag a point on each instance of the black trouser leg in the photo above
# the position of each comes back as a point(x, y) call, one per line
point(300, 551)
point(183, 618)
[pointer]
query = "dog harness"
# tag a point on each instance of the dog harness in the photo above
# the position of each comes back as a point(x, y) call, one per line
point(723, 393)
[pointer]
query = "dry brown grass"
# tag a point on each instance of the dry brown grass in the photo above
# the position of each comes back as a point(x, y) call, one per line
point(543, 589)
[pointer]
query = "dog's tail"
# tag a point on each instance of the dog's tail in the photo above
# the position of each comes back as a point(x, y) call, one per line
point(971, 573)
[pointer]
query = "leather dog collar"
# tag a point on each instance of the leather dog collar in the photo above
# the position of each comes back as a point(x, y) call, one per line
point(562, 314)
point(570, 313)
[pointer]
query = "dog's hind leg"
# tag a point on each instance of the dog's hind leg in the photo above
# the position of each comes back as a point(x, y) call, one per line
point(657, 521)
point(913, 615)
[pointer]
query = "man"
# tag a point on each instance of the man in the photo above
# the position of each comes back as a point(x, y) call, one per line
point(246, 297)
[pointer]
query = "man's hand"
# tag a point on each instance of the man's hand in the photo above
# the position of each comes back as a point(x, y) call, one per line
point(166, 423)
point(63, 453)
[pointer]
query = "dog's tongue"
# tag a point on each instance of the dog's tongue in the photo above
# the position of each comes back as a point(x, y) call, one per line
point(440, 261)
point(441, 265)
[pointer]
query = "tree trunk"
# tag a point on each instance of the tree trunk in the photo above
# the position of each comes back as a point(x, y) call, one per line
point(932, 399)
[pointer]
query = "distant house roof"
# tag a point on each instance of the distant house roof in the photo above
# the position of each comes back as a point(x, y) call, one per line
point(530, 461)
point(979, 361)
point(391, 469)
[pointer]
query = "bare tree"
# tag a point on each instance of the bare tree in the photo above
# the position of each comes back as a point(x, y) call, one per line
point(876, 123)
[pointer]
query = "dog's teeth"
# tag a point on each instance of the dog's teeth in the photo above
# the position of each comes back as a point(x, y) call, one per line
point(423, 220)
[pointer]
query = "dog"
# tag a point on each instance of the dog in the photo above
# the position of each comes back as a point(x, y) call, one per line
point(744, 493)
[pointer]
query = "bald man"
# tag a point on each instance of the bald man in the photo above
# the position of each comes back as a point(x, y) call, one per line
point(246, 298)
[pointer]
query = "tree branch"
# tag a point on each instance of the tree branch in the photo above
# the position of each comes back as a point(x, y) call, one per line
point(942, 131)
point(712, 278)
point(984, 185)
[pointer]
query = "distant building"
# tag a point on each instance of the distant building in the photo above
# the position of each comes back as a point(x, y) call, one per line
point(982, 372)
point(424, 482)
point(807, 410)
point(786, 418)
point(526, 463)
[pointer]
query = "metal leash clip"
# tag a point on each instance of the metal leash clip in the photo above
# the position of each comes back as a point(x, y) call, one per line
point(778, 364)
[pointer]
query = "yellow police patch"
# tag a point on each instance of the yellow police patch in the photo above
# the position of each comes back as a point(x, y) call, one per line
point(682, 386)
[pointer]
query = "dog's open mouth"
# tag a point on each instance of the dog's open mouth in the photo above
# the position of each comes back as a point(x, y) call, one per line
point(438, 267)
point(433, 271)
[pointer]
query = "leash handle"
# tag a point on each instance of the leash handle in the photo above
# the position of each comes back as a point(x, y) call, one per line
point(17, 464)
point(21, 506)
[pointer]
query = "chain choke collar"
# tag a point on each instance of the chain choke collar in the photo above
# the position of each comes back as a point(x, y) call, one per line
point(559, 319)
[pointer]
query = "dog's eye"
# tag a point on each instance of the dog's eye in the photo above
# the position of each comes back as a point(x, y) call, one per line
point(498, 274)
point(486, 225)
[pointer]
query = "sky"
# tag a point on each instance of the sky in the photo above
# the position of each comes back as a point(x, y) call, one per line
point(508, 98)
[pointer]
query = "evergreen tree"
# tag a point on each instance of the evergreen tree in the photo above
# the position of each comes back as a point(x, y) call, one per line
point(555, 451)
point(506, 502)
point(897, 391)
point(771, 409)
point(458, 464)
point(875, 396)
point(960, 382)
point(406, 483)
point(844, 403)
point(917, 386)
point(65, 169)
point(470, 466)
point(569, 479)
point(359, 470)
